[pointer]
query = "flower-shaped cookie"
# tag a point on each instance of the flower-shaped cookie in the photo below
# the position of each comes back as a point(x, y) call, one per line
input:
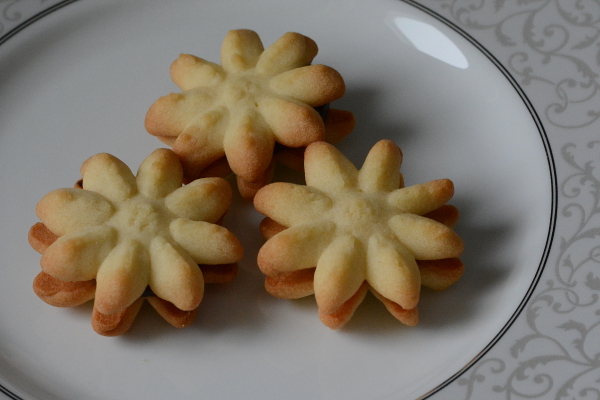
point(237, 111)
point(349, 230)
point(122, 234)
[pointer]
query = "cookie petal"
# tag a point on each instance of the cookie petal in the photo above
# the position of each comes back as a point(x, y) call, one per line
point(446, 214)
point(40, 237)
point(189, 72)
point(171, 114)
point(392, 271)
point(290, 204)
point(422, 198)
point(207, 243)
point(339, 317)
point(201, 143)
point(440, 274)
point(174, 276)
point(249, 147)
point(173, 315)
point(293, 123)
point(159, 174)
point(68, 210)
point(314, 85)
point(240, 50)
point(122, 277)
point(341, 270)
point(248, 189)
point(77, 256)
point(338, 125)
point(327, 169)
point(291, 285)
point(118, 323)
point(205, 199)
point(425, 238)
point(59, 293)
point(218, 168)
point(292, 50)
point(407, 317)
point(381, 169)
point(269, 227)
point(295, 248)
point(107, 175)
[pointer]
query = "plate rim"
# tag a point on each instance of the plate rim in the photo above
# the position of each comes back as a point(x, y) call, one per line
point(553, 189)
point(4, 37)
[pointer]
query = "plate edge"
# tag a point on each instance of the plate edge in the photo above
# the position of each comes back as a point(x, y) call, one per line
point(537, 120)
point(553, 189)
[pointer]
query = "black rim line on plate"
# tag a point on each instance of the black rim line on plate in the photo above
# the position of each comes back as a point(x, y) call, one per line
point(553, 188)
point(33, 19)
point(528, 105)
point(8, 393)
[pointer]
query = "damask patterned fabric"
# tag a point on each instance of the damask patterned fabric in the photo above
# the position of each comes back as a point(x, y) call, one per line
point(551, 48)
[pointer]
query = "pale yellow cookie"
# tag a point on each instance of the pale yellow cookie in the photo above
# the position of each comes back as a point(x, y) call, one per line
point(240, 109)
point(348, 229)
point(123, 233)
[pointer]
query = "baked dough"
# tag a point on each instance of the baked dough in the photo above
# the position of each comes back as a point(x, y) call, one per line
point(347, 231)
point(234, 114)
point(123, 233)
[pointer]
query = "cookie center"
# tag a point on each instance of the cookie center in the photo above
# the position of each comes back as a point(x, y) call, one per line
point(137, 219)
point(240, 88)
point(357, 215)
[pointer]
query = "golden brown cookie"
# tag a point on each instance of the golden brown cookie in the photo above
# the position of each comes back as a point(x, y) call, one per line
point(123, 233)
point(349, 230)
point(237, 111)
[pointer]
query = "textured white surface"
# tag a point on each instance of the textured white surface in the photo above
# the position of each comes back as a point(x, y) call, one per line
point(79, 82)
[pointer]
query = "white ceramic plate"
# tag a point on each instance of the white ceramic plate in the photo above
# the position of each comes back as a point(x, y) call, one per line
point(78, 81)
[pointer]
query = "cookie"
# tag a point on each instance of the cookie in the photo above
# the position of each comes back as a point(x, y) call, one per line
point(237, 112)
point(348, 231)
point(124, 237)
